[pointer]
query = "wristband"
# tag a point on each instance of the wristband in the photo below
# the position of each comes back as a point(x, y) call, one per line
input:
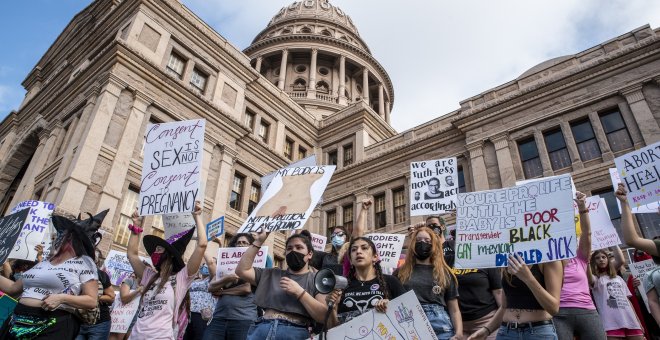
point(254, 245)
point(585, 211)
point(487, 330)
point(135, 229)
point(301, 295)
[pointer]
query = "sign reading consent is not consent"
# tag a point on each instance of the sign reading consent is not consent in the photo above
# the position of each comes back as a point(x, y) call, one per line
point(534, 220)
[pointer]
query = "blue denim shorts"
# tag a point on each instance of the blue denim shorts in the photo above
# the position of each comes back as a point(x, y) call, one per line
point(439, 320)
point(543, 332)
point(275, 329)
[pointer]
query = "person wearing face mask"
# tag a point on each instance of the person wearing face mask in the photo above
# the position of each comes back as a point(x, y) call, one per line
point(427, 273)
point(289, 298)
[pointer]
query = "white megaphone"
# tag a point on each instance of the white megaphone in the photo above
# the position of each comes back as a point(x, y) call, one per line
point(326, 281)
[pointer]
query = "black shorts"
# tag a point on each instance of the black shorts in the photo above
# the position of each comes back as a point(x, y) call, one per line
point(66, 325)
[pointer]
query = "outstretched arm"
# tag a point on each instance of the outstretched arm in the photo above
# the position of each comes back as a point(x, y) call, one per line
point(630, 235)
point(244, 269)
point(584, 245)
point(361, 224)
point(618, 258)
point(195, 260)
point(132, 248)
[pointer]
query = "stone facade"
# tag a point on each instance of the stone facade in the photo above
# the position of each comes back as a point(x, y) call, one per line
point(307, 84)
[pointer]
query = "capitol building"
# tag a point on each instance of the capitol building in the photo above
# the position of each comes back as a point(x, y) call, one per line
point(307, 84)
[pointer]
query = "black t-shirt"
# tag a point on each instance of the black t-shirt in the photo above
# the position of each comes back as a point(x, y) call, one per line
point(321, 260)
point(422, 282)
point(448, 251)
point(104, 280)
point(360, 297)
point(475, 287)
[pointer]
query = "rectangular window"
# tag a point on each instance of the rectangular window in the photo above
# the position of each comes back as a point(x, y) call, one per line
point(399, 205)
point(157, 227)
point(288, 149)
point(616, 131)
point(529, 155)
point(127, 207)
point(255, 192)
point(348, 154)
point(264, 128)
point(380, 218)
point(348, 217)
point(332, 157)
point(585, 139)
point(236, 192)
point(461, 180)
point(331, 221)
point(198, 79)
point(249, 119)
point(557, 151)
point(175, 65)
point(302, 152)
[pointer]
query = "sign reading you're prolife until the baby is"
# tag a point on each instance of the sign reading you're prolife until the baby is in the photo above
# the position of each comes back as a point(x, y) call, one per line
point(171, 168)
point(534, 220)
point(639, 172)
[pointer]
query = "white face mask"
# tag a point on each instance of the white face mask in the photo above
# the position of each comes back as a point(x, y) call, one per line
point(338, 241)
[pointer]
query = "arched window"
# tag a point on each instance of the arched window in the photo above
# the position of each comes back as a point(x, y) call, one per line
point(306, 30)
point(299, 85)
point(323, 87)
point(326, 33)
point(286, 30)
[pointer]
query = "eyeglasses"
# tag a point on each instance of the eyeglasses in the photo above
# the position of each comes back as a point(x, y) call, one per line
point(340, 234)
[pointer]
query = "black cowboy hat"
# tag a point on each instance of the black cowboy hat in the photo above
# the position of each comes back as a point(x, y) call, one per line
point(175, 246)
point(87, 230)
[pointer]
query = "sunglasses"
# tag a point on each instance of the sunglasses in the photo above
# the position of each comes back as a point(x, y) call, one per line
point(340, 234)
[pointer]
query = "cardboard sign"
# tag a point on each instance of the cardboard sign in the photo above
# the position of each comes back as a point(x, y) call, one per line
point(178, 223)
point(433, 186)
point(651, 208)
point(117, 266)
point(172, 166)
point(122, 314)
point(35, 228)
point(228, 259)
point(603, 234)
point(389, 249)
point(639, 271)
point(265, 180)
point(318, 242)
point(215, 228)
point(534, 220)
point(10, 230)
point(639, 171)
point(289, 200)
point(404, 319)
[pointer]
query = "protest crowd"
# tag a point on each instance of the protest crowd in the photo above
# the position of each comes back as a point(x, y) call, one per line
point(509, 269)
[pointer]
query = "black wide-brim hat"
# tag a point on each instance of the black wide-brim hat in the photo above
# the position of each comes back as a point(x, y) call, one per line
point(175, 246)
point(85, 230)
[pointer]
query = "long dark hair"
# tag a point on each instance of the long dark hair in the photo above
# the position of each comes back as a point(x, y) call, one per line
point(379, 271)
point(64, 241)
point(164, 271)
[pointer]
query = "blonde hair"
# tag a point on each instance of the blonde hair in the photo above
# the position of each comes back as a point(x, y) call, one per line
point(442, 273)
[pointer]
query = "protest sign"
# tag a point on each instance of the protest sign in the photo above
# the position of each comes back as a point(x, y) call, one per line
point(171, 168)
point(10, 230)
point(177, 223)
point(639, 271)
point(308, 161)
point(7, 305)
point(389, 248)
point(118, 267)
point(122, 314)
point(404, 319)
point(603, 234)
point(215, 228)
point(228, 259)
point(650, 208)
point(35, 228)
point(433, 186)
point(639, 172)
point(535, 220)
point(318, 242)
point(289, 200)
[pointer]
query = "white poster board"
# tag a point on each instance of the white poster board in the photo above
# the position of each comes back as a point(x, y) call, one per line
point(639, 271)
point(534, 220)
point(639, 172)
point(651, 208)
point(171, 169)
point(228, 259)
point(405, 319)
point(318, 242)
point(389, 249)
point(117, 266)
point(433, 186)
point(289, 200)
point(34, 230)
point(265, 180)
point(122, 314)
point(215, 228)
point(177, 223)
point(603, 234)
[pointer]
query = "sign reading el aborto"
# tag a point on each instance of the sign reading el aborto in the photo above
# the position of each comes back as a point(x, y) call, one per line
point(171, 169)
point(534, 220)
point(228, 259)
point(639, 172)
point(290, 199)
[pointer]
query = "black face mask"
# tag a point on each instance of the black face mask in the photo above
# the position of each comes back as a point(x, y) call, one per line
point(295, 260)
point(423, 250)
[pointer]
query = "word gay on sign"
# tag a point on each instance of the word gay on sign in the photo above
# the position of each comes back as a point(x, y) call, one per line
point(228, 259)
point(172, 166)
point(34, 230)
point(433, 186)
point(639, 171)
point(534, 220)
point(389, 248)
point(290, 199)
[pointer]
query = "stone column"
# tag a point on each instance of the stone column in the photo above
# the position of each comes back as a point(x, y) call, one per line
point(381, 101)
point(387, 111)
point(258, 65)
point(282, 79)
point(478, 166)
point(504, 162)
point(342, 80)
point(361, 142)
point(311, 88)
point(647, 124)
point(365, 85)
point(543, 153)
point(601, 137)
point(25, 189)
point(573, 152)
point(389, 209)
point(223, 187)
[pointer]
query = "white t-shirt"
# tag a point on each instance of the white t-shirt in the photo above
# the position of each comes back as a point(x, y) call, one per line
point(68, 277)
point(611, 296)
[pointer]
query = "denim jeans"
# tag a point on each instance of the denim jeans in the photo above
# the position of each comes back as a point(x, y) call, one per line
point(277, 330)
point(544, 332)
point(100, 331)
point(224, 329)
point(439, 320)
point(581, 322)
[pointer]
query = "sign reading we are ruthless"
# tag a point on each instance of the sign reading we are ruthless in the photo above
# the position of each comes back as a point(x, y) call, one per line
point(171, 168)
